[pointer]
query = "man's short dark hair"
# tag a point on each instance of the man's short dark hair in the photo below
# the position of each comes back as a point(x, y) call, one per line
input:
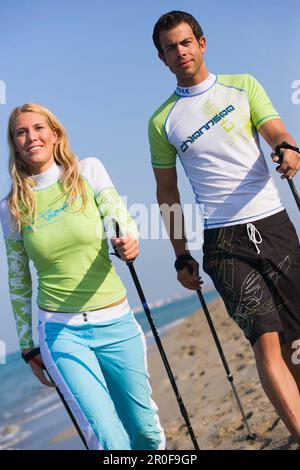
point(170, 20)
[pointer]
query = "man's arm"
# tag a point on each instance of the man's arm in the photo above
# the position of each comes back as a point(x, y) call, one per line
point(168, 198)
point(274, 132)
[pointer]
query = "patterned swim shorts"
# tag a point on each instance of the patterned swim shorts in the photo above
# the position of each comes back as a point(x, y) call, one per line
point(255, 267)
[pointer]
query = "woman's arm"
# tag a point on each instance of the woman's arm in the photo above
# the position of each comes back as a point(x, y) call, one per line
point(112, 209)
point(20, 289)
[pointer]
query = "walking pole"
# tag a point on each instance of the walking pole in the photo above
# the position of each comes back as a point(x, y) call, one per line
point(279, 153)
point(182, 408)
point(71, 416)
point(37, 351)
point(250, 436)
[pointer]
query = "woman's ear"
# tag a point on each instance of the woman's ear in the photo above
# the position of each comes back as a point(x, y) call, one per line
point(55, 137)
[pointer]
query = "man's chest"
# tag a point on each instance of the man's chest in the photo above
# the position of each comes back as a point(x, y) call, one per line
point(207, 123)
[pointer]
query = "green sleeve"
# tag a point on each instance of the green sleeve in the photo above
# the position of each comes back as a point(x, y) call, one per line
point(163, 154)
point(112, 208)
point(261, 108)
point(20, 288)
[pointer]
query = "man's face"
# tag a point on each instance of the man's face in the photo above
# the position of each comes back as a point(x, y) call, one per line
point(183, 54)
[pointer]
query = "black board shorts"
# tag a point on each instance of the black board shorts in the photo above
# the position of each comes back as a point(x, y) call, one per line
point(256, 270)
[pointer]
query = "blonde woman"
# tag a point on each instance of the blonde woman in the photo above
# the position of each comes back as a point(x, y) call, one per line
point(90, 343)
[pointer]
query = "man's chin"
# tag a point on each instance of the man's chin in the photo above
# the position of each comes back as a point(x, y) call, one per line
point(183, 78)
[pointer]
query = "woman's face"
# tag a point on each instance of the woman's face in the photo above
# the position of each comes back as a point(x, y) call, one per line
point(34, 141)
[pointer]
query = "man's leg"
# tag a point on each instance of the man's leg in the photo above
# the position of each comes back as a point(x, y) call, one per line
point(278, 382)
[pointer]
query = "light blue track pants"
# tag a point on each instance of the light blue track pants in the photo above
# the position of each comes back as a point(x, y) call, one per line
point(101, 370)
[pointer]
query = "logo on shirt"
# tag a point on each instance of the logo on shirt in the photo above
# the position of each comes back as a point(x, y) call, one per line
point(218, 117)
point(49, 215)
point(182, 91)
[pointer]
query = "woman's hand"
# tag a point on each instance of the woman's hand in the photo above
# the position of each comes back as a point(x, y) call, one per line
point(126, 246)
point(38, 367)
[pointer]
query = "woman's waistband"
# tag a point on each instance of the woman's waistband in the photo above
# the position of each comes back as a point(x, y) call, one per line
point(86, 317)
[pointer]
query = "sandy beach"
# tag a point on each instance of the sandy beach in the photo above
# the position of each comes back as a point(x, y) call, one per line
point(206, 392)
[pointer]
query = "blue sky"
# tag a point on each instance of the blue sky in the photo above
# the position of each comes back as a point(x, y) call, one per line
point(94, 65)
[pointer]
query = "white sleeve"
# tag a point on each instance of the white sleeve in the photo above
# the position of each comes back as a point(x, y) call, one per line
point(95, 174)
point(6, 222)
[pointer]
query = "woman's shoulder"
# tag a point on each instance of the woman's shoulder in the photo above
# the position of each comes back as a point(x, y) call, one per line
point(89, 162)
point(5, 219)
point(92, 169)
point(4, 209)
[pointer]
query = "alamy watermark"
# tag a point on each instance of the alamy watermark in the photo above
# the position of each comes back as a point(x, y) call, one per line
point(2, 92)
point(2, 352)
point(154, 222)
point(296, 354)
point(296, 93)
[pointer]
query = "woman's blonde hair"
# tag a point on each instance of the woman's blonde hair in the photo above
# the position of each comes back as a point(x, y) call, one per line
point(21, 200)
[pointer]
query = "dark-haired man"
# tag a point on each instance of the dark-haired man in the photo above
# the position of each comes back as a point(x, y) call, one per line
point(251, 250)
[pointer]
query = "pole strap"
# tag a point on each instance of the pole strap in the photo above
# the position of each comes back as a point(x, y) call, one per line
point(183, 261)
point(30, 355)
point(284, 145)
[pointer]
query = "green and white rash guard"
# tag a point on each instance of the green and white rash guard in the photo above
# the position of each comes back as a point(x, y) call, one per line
point(212, 127)
point(69, 249)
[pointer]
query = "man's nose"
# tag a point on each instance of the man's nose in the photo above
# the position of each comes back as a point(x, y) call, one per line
point(180, 50)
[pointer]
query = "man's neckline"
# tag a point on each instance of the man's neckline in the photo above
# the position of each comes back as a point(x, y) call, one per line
point(198, 89)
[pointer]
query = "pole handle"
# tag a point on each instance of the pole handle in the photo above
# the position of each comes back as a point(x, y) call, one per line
point(279, 152)
point(284, 145)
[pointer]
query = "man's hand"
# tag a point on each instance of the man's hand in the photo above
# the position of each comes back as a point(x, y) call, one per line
point(290, 163)
point(126, 246)
point(275, 133)
point(189, 276)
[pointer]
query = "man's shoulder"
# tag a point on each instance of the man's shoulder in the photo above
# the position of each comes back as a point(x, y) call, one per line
point(240, 81)
point(161, 113)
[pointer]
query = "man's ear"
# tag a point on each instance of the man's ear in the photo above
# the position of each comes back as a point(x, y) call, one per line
point(202, 43)
point(162, 57)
